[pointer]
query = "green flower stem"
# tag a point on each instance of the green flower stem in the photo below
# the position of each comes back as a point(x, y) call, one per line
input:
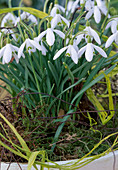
point(45, 6)
point(41, 22)
point(66, 5)
point(70, 30)
point(37, 83)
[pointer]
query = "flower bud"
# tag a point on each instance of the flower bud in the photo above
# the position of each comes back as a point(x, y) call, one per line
point(112, 11)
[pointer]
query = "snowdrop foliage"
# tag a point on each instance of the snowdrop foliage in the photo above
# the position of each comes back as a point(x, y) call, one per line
point(52, 55)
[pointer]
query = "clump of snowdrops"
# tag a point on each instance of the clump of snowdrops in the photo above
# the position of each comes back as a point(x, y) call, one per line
point(59, 54)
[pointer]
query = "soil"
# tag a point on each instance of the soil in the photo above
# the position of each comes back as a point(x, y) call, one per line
point(76, 139)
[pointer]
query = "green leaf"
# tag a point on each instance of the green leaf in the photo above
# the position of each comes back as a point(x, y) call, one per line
point(22, 142)
point(92, 83)
point(60, 129)
point(32, 11)
point(32, 159)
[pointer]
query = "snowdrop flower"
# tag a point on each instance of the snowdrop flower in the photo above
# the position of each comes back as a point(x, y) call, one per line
point(50, 37)
point(9, 17)
point(93, 34)
point(9, 31)
point(113, 37)
point(70, 51)
point(89, 51)
point(113, 24)
point(58, 19)
point(7, 51)
point(55, 8)
point(31, 46)
point(96, 10)
point(26, 15)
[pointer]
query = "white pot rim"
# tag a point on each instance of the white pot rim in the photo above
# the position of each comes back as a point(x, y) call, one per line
point(108, 162)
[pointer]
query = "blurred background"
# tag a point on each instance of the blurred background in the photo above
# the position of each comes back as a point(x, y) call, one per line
point(38, 4)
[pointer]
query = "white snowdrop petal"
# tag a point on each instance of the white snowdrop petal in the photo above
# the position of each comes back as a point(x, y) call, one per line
point(59, 53)
point(53, 11)
point(97, 14)
point(68, 50)
point(79, 38)
point(81, 51)
point(36, 45)
point(114, 26)
point(103, 10)
point(108, 25)
point(110, 40)
point(15, 48)
point(89, 52)
point(69, 5)
point(74, 55)
point(28, 44)
point(95, 35)
point(2, 51)
point(33, 19)
point(116, 38)
point(100, 50)
point(55, 21)
point(65, 20)
point(41, 35)
point(44, 50)
point(7, 54)
point(20, 51)
point(16, 58)
point(60, 7)
point(74, 6)
point(75, 47)
point(89, 14)
point(61, 34)
point(50, 38)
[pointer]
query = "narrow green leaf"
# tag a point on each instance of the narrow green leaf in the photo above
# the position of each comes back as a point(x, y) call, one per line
point(22, 142)
point(32, 159)
point(32, 11)
point(53, 71)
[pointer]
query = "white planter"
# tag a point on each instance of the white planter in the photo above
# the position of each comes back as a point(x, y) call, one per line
point(104, 163)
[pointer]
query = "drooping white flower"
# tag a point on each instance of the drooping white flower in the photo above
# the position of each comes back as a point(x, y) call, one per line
point(89, 51)
point(70, 51)
point(55, 8)
point(9, 31)
point(97, 10)
point(8, 17)
point(59, 19)
point(26, 15)
point(91, 32)
point(7, 52)
point(113, 24)
point(113, 37)
point(50, 37)
point(31, 46)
